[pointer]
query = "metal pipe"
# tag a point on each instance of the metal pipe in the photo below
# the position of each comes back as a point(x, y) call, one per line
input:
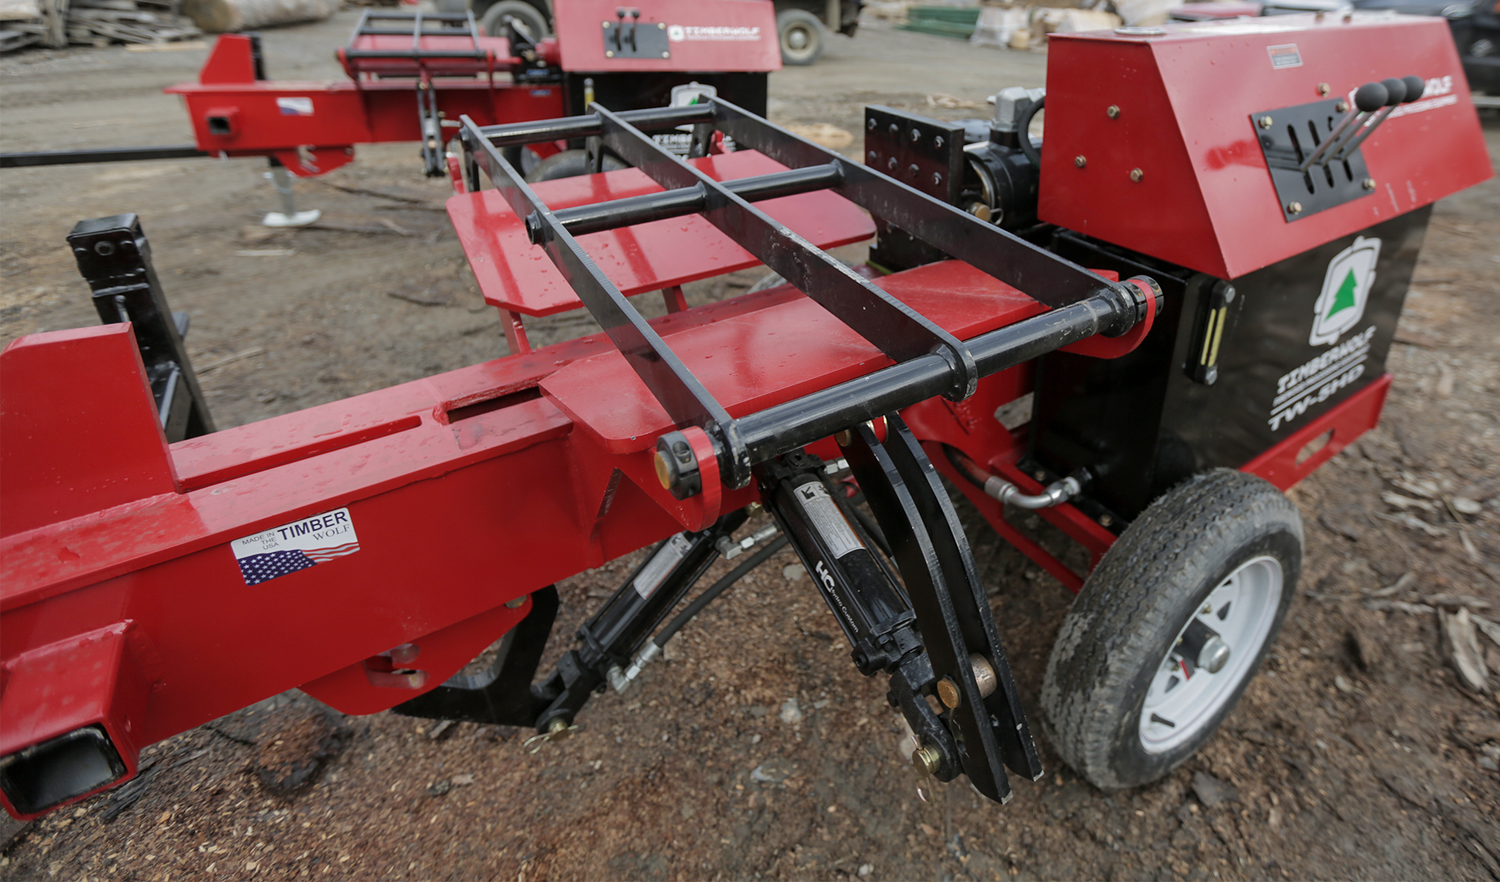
point(102, 154)
point(407, 32)
point(1007, 493)
point(398, 54)
point(788, 426)
point(651, 119)
point(676, 203)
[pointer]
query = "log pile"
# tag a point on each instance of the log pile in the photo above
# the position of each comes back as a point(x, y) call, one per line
point(59, 23)
point(229, 16)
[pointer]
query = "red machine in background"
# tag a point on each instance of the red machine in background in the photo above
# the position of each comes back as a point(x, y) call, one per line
point(629, 56)
point(413, 75)
point(1251, 226)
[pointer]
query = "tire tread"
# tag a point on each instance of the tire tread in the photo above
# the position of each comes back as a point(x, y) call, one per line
point(1131, 595)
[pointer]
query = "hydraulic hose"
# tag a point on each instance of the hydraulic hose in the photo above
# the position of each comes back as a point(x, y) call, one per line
point(620, 679)
point(1007, 493)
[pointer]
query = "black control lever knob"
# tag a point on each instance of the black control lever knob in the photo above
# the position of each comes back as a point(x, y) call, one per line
point(1395, 91)
point(1414, 87)
point(1370, 97)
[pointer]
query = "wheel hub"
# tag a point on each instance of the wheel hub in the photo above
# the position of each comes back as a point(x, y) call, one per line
point(1212, 655)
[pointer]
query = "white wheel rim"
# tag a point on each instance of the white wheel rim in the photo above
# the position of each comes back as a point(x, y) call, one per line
point(797, 39)
point(1241, 609)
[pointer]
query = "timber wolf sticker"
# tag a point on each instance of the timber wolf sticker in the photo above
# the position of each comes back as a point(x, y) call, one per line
point(1346, 289)
point(1285, 55)
point(295, 106)
point(710, 34)
point(288, 548)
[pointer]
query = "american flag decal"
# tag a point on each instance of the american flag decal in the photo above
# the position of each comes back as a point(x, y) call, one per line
point(284, 550)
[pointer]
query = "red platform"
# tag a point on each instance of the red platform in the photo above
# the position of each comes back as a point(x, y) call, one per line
point(518, 277)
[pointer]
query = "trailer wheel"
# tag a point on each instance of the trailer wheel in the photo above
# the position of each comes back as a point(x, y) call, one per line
point(494, 18)
point(1170, 627)
point(801, 37)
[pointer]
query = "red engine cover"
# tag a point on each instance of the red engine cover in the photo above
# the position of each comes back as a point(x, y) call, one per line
point(701, 35)
point(1185, 96)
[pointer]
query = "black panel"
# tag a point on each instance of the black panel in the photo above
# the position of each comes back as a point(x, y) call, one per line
point(633, 38)
point(1293, 134)
point(925, 154)
point(1142, 423)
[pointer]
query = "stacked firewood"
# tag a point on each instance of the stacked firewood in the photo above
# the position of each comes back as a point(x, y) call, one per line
point(59, 23)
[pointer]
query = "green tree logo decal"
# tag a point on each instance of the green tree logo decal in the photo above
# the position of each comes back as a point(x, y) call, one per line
point(1346, 289)
point(1344, 299)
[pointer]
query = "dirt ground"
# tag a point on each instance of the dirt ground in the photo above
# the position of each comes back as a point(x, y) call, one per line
point(755, 750)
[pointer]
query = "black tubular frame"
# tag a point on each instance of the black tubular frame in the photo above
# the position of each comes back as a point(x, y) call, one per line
point(929, 360)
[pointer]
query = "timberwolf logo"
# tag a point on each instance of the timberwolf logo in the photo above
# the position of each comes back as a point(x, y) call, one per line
point(1346, 290)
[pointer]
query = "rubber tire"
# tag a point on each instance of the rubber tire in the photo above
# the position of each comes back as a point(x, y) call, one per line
point(452, 6)
point(494, 17)
point(568, 164)
point(791, 20)
point(1135, 604)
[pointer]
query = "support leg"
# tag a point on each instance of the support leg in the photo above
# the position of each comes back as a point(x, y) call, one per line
point(115, 259)
point(288, 216)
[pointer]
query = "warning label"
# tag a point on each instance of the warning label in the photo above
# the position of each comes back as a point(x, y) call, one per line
point(1285, 55)
point(827, 519)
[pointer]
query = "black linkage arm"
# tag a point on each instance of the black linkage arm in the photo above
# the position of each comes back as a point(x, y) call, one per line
point(929, 360)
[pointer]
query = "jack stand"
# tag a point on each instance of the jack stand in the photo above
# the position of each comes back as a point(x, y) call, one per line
point(288, 216)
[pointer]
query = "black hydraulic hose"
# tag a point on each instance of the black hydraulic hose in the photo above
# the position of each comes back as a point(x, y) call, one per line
point(718, 588)
point(1023, 130)
point(966, 467)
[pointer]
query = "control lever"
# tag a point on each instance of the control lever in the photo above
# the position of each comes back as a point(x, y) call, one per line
point(1412, 88)
point(635, 25)
point(1367, 99)
point(619, 28)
